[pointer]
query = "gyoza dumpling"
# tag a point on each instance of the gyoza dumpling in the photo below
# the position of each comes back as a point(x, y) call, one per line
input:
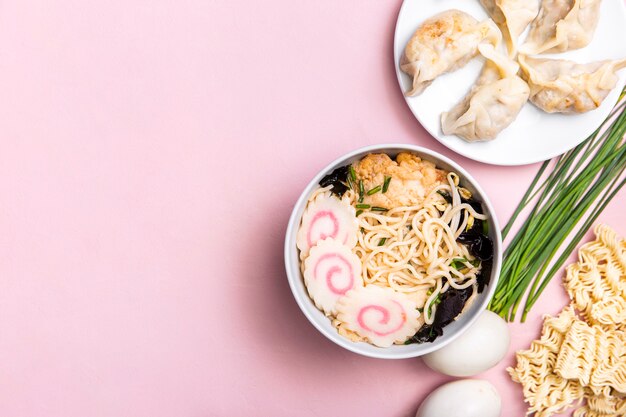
point(562, 25)
point(444, 43)
point(512, 16)
point(561, 86)
point(492, 103)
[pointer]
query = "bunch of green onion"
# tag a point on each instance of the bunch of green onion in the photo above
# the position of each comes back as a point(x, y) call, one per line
point(567, 200)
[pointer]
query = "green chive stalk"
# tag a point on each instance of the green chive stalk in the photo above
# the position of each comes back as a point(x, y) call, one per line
point(566, 196)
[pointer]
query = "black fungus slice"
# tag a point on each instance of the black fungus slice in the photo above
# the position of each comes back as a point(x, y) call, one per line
point(476, 205)
point(451, 305)
point(484, 276)
point(477, 227)
point(338, 179)
point(478, 244)
point(446, 196)
point(426, 334)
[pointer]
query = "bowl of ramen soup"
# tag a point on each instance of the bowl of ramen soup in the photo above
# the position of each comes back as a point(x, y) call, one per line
point(392, 251)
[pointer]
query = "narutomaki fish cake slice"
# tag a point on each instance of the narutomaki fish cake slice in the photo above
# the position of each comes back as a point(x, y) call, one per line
point(325, 217)
point(380, 315)
point(330, 271)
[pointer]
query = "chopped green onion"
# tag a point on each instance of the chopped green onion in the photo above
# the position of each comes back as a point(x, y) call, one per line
point(361, 188)
point(433, 303)
point(566, 196)
point(350, 183)
point(378, 208)
point(359, 212)
point(382, 241)
point(458, 263)
point(386, 184)
point(485, 227)
point(374, 190)
point(352, 173)
point(363, 206)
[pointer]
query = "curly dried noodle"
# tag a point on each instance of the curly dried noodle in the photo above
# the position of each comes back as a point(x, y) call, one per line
point(583, 358)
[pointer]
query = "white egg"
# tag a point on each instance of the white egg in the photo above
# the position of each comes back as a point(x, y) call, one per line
point(481, 347)
point(466, 398)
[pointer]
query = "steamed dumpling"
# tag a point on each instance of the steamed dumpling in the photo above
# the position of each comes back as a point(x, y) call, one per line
point(442, 44)
point(562, 25)
point(561, 86)
point(512, 16)
point(493, 102)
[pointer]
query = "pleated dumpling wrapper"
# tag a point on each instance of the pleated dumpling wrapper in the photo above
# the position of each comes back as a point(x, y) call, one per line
point(381, 315)
point(512, 16)
point(444, 43)
point(327, 216)
point(330, 271)
point(493, 102)
point(562, 25)
point(561, 86)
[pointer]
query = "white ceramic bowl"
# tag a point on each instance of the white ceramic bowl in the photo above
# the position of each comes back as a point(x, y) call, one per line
point(323, 324)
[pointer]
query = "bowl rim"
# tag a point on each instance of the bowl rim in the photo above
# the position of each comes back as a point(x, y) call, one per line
point(301, 296)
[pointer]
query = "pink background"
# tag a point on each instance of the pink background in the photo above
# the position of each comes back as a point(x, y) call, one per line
point(151, 152)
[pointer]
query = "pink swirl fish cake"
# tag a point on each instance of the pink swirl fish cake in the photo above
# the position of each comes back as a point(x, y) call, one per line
point(330, 271)
point(325, 217)
point(380, 315)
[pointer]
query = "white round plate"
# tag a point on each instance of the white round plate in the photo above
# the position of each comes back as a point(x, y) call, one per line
point(534, 136)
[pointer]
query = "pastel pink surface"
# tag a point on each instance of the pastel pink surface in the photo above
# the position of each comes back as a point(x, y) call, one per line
point(151, 154)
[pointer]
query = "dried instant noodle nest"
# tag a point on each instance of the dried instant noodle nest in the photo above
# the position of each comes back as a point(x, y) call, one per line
point(581, 360)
